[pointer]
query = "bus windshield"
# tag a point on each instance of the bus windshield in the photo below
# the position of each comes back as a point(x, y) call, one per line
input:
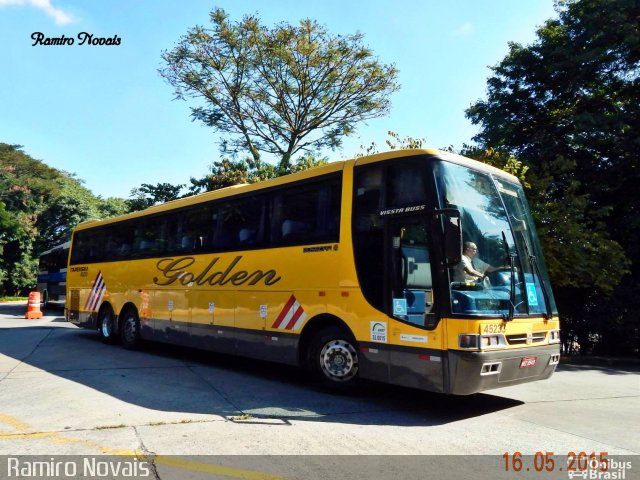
point(502, 271)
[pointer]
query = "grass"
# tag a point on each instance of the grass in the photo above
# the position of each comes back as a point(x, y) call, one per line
point(13, 299)
point(107, 427)
point(239, 418)
point(157, 424)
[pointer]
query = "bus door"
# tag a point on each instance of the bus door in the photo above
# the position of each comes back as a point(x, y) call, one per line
point(410, 271)
point(419, 364)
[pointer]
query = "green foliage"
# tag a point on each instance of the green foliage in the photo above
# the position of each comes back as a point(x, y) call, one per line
point(39, 206)
point(23, 191)
point(567, 107)
point(504, 161)
point(72, 205)
point(279, 90)
point(306, 162)
point(226, 172)
point(147, 195)
point(394, 142)
point(112, 207)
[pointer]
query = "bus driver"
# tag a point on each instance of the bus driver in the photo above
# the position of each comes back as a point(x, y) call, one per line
point(470, 270)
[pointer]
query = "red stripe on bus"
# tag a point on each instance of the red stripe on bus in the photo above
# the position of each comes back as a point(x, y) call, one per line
point(284, 311)
point(296, 315)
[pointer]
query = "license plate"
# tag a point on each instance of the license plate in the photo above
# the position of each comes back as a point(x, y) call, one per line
point(527, 362)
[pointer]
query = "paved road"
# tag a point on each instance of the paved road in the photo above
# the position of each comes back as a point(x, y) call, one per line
point(64, 392)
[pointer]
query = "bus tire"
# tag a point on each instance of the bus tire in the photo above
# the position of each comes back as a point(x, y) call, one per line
point(107, 325)
point(130, 329)
point(334, 358)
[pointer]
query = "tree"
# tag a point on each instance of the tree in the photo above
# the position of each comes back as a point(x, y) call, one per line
point(8, 229)
point(25, 188)
point(567, 107)
point(394, 142)
point(280, 90)
point(72, 204)
point(226, 172)
point(147, 195)
point(112, 207)
point(39, 206)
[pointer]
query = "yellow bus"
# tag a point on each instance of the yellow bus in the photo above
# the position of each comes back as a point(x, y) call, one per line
point(358, 269)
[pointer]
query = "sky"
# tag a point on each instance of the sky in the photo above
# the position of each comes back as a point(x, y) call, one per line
point(105, 114)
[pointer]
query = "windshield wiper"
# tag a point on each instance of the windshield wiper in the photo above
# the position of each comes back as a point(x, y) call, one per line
point(535, 268)
point(510, 257)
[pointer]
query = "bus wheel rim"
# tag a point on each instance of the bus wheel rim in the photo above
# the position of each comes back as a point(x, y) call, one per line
point(106, 326)
point(130, 329)
point(339, 360)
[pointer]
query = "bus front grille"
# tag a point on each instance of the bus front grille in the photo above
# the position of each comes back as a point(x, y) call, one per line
point(525, 339)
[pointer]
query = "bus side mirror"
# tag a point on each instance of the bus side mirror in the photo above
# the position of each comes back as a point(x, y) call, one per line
point(452, 235)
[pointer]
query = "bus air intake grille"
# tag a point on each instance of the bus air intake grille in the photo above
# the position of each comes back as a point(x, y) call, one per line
point(526, 339)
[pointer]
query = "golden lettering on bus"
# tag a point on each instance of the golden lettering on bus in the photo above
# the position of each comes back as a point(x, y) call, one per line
point(178, 270)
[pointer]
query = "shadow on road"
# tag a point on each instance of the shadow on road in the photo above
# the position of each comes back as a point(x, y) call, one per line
point(174, 379)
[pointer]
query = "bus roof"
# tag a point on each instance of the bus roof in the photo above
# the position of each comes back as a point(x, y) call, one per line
point(63, 246)
point(442, 155)
point(311, 173)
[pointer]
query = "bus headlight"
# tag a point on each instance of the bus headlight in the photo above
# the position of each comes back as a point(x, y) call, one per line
point(468, 340)
point(554, 336)
point(492, 341)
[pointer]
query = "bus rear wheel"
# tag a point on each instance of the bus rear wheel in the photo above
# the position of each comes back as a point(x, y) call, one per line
point(130, 331)
point(334, 358)
point(107, 325)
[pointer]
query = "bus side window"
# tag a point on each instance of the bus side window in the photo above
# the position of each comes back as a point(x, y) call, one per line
point(247, 236)
point(405, 184)
point(242, 223)
point(193, 230)
point(367, 200)
point(293, 230)
point(187, 242)
point(118, 242)
point(306, 214)
point(144, 237)
point(222, 237)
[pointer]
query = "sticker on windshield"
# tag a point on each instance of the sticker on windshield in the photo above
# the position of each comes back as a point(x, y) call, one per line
point(502, 189)
point(399, 306)
point(512, 193)
point(532, 296)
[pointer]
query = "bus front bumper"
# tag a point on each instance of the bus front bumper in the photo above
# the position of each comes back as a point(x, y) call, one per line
point(471, 372)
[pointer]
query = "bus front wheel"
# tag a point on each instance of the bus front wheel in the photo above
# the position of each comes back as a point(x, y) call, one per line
point(130, 332)
point(334, 358)
point(107, 325)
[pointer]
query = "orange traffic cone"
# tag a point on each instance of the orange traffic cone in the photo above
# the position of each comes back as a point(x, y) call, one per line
point(33, 307)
